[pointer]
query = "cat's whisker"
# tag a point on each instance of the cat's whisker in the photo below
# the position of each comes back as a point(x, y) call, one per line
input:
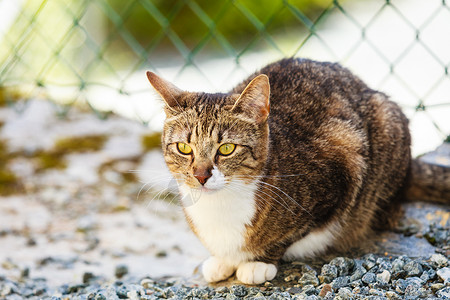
point(289, 197)
point(154, 182)
point(269, 176)
point(270, 186)
point(281, 201)
point(238, 190)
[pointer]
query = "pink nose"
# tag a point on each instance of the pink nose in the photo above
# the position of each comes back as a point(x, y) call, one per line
point(202, 175)
point(202, 179)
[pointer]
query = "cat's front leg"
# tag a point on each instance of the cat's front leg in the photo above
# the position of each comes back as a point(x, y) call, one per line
point(215, 269)
point(255, 272)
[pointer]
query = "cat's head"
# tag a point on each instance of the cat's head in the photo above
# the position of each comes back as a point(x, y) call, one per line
point(211, 140)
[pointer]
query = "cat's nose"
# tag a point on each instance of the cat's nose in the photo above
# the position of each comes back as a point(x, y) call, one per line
point(202, 175)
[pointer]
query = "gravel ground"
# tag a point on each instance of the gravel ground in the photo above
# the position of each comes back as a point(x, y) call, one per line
point(83, 227)
point(369, 277)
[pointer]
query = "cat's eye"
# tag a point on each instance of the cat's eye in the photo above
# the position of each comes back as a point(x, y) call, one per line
point(184, 148)
point(226, 149)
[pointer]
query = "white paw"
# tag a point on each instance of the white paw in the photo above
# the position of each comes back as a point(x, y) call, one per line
point(255, 272)
point(214, 270)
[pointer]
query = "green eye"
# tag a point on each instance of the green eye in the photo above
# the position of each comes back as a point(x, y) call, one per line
point(226, 149)
point(184, 148)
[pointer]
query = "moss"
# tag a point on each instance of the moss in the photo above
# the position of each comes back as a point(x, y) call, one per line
point(9, 183)
point(151, 141)
point(2, 97)
point(129, 177)
point(55, 158)
point(50, 160)
point(80, 144)
point(5, 155)
point(11, 94)
point(126, 177)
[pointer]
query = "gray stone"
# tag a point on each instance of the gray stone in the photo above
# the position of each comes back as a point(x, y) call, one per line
point(412, 292)
point(397, 265)
point(345, 293)
point(294, 290)
point(400, 286)
point(328, 273)
point(238, 290)
point(309, 290)
point(369, 277)
point(428, 275)
point(222, 290)
point(384, 277)
point(392, 295)
point(280, 296)
point(444, 293)
point(438, 260)
point(376, 292)
point(308, 278)
point(344, 265)
point(358, 273)
point(413, 268)
point(443, 274)
point(369, 261)
point(384, 264)
point(340, 282)
point(436, 286)
point(121, 270)
point(415, 281)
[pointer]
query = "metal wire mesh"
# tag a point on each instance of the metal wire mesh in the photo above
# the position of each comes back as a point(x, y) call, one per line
point(61, 48)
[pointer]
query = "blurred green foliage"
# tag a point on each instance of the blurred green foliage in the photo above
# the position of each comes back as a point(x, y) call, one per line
point(80, 144)
point(9, 183)
point(194, 20)
point(151, 141)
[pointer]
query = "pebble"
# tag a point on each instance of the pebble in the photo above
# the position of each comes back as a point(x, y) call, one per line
point(444, 274)
point(438, 260)
point(308, 278)
point(436, 286)
point(413, 268)
point(384, 277)
point(345, 294)
point(392, 295)
point(369, 261)
point(384, 263)
point(238, 290)
point(397, 265)
point(340, 282)
point(325, 289)
point(121, 270)
point(358, 273)
point(328, 273)
point(343, 265)
point(369, 277)
point(444, 293)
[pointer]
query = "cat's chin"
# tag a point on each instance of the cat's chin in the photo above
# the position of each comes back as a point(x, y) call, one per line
point(208, 190)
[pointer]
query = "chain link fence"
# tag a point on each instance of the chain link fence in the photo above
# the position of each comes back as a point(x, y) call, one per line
point(96, 52)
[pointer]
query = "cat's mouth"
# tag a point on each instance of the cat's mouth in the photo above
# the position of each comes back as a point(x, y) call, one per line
point(204, 189)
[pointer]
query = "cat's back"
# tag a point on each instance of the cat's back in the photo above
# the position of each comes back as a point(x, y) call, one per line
point(311, 91)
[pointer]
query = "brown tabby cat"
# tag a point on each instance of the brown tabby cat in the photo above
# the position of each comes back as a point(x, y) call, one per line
point(299, 158)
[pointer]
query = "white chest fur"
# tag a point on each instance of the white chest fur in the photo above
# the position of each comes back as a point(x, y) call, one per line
point(220, 218)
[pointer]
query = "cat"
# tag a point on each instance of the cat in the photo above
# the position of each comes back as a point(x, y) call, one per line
point(300, 158)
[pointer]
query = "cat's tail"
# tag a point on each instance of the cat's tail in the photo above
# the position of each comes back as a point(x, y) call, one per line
point(430, 176)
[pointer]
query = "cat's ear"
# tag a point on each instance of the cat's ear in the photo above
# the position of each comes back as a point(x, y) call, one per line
point(254, 100)
point(167, 90)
